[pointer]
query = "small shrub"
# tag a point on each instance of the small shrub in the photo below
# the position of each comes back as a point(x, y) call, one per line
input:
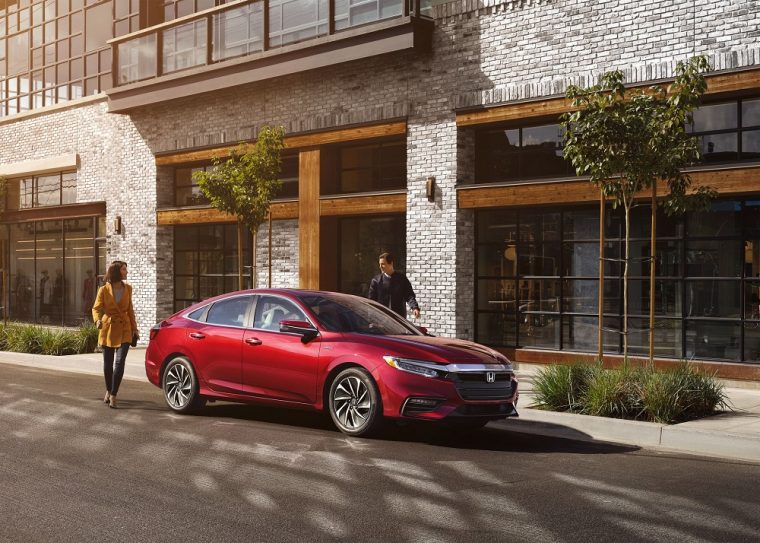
point(681, 394)
point(88, 338)
point(641, 393)
point(33, 339)
point(24, 338)
point(562, 387)
point(614, 393)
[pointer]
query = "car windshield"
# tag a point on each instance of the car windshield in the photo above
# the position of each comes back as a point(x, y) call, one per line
point(354, 314)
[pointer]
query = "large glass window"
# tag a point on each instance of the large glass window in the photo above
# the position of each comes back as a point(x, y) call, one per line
point(728, 131)
point(355, 168)
point(526, 152)
point(362, 240)
point(42, 191)
point(53, 51)
point(206, 262)
point(537, 280)
point(54, 270)
point(188, 193)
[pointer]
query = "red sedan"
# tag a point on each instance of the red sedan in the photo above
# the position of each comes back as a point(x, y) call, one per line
point(325, 351)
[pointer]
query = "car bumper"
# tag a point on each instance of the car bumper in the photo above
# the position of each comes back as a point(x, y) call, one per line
point(408, 396)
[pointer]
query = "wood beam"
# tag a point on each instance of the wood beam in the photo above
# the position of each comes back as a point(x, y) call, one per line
point(727, 181)
point(172, 217)
point(396, 128)
point(308, 218)
point(363, 205)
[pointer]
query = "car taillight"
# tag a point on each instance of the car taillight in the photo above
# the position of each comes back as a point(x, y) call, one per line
point(155, 329)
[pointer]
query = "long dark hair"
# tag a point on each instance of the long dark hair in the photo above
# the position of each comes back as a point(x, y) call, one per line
point(113, 275)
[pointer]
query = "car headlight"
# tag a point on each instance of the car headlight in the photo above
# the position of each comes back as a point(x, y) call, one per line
point(418, 367)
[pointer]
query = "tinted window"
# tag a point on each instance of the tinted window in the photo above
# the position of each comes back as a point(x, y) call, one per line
point(229, 312)
point(198, 313)
point(271, 310)
point(357, 315)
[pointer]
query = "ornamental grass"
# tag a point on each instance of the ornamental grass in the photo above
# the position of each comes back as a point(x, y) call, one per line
point(34, 339)
point(647, 393)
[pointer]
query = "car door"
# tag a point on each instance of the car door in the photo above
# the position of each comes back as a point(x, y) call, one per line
point(276, 364)
point(217, 342)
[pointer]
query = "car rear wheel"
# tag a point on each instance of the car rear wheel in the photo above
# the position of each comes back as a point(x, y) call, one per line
point(354, 402)
point(181, 386)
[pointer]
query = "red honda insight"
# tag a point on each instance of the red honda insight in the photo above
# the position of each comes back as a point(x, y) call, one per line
point(340, 353)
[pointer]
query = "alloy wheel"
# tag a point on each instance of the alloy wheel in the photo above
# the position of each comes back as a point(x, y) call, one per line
point(352, 403)
point(179, 386)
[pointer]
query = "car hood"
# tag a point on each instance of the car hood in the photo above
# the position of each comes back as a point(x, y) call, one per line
point(438, 350)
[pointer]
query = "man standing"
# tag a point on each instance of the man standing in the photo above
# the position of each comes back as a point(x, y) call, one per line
point(393, 289)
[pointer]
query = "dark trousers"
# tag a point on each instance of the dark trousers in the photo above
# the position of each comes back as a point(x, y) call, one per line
point(113, 371)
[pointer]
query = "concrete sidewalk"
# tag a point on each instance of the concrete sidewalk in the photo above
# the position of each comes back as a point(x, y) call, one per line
point(731, 435)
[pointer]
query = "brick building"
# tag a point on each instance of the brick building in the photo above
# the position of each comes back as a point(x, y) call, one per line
point(429, 131)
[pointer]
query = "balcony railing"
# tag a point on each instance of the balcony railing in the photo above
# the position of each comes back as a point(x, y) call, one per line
point(245, 28)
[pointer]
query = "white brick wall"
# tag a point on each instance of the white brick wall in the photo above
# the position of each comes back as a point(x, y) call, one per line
point(115, 166)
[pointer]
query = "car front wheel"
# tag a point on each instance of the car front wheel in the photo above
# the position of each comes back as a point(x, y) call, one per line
point(181, 386)
point(354, 402)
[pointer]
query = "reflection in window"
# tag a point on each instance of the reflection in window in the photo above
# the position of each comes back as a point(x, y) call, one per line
point(184, 46)
point(728, 131)
point(530, 152)
point(42, 191)
point(206, 262)
point(529, 293)
point(292, 21)
point(229, 312)
point(186, 190)
point(53, 272)
point(364, 167)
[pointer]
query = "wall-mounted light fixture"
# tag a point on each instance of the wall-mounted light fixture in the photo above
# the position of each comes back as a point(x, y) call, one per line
point(430, 188)
point(117, 225)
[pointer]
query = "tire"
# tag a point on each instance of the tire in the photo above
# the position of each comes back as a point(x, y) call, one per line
point(180, 386)
point(354, 403)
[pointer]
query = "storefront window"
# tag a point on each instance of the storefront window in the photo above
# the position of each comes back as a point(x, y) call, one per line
point(206, 262)
point(537, 280)
point(53, 271)
point(362, 240)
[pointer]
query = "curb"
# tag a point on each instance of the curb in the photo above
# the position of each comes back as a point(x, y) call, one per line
point(664, 437)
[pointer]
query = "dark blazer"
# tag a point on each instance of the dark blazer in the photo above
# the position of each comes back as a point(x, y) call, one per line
point(394, 292)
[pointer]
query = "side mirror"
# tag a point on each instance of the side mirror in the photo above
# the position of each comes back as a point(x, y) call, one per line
point(302, 328)
point(422, 329)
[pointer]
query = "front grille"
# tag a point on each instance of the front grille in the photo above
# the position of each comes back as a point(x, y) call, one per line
point(474, 386)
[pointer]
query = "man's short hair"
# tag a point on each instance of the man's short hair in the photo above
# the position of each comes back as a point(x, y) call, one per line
point(388, 257)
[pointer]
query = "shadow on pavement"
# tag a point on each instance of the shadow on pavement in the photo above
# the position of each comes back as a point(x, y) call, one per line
point(490, 438)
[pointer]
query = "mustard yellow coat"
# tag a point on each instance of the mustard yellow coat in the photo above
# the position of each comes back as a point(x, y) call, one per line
point(118, 319)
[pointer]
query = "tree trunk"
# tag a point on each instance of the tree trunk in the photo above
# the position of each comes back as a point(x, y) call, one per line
point(254, 254)
point(240, 254)
point(601, 276)
point(270, 248)
point(652, 253)
point(627, 205)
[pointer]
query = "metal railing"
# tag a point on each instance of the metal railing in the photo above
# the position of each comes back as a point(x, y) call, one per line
point(244, 28)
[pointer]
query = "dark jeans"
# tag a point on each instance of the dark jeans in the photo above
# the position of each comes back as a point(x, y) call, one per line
point(114, 371)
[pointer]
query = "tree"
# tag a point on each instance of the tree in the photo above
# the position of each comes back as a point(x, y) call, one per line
point(244, 184)
point(628, 139)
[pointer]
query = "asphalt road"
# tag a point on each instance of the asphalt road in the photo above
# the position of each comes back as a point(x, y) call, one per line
point(73, 470)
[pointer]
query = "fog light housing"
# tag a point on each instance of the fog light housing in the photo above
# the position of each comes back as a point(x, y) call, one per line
point(416, 406)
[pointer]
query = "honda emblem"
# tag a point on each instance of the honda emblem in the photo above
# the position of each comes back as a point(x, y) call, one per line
point(490, 376)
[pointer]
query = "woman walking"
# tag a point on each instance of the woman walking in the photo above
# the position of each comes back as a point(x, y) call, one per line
point(115, 317)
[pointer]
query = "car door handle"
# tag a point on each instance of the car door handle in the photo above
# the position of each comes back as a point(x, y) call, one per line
point(253, 341)
point(197, 335)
